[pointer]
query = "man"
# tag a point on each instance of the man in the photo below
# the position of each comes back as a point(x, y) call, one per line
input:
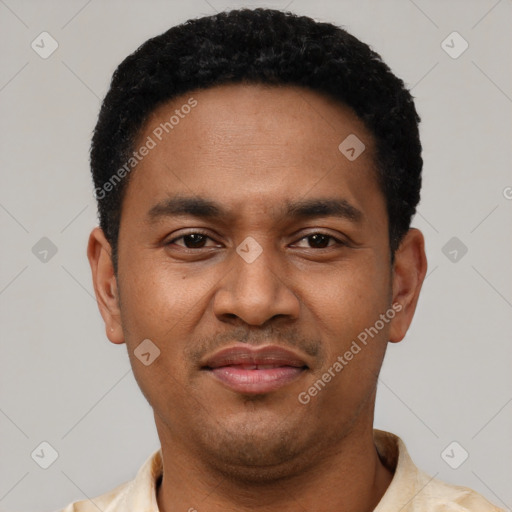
point(256, 173)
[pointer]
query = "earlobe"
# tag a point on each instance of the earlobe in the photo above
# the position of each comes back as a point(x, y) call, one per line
point(105, 284)
point(409, 270)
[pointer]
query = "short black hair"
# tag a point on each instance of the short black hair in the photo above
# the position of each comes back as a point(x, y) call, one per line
point(259, 46)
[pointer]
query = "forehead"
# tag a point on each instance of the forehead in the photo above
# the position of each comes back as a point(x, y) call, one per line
point(258, 114)
point(263, 144)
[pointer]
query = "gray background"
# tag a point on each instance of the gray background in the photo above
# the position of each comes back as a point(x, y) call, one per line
point(63, 382)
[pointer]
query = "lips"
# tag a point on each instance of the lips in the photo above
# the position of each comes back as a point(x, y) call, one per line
point(249, 370)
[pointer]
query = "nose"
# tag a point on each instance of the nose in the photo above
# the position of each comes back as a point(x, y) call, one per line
point(256, 291)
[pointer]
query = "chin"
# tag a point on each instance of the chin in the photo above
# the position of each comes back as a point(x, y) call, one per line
point(257, 451)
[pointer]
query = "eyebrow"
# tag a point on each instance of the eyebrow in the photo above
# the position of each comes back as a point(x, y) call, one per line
point(208, 209)
point(311, 208)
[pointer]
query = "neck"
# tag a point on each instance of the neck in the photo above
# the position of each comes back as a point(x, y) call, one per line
point(349, 477)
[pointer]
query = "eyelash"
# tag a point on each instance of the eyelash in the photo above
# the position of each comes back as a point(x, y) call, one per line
point(338, 241)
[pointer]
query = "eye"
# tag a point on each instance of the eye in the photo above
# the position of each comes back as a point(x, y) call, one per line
point(321, 240)
point(192, 240)
point(198, 239)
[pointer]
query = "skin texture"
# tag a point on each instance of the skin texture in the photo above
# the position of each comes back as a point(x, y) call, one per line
point(252, 149)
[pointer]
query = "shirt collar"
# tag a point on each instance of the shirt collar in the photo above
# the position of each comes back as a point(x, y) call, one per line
point(141, 493)
point(408, 481)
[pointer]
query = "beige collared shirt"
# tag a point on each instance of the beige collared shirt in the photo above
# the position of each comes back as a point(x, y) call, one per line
point(411, 490)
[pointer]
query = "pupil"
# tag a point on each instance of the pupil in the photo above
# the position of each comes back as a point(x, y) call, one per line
point(196, 239)
point(316, 238)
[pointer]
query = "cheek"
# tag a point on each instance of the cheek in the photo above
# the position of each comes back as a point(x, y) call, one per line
point(153, 294)
point(346, 313)
point(152, 307)
point(166, 306)
point(156, 306)
point(350, 299)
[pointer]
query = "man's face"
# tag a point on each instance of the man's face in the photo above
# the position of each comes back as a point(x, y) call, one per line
point(264, 272)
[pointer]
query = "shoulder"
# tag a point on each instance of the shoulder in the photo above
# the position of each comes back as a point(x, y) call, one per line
point(413, 490)
point(444, 497)
point(136, 494)
point(106, 502)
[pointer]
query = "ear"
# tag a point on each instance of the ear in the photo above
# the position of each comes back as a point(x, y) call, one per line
point(409, 271)
point(99, 254)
